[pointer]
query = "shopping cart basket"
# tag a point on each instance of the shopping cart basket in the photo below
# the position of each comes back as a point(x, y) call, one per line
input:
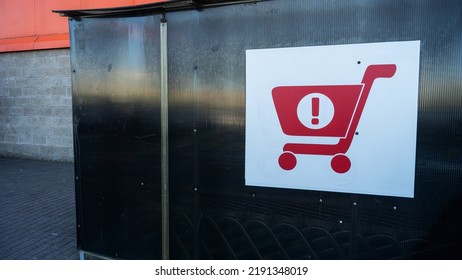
point(348, 104)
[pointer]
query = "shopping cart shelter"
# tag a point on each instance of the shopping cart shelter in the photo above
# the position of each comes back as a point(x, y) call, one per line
point(284, 129)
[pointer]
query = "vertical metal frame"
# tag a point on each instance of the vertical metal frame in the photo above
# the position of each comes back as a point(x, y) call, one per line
point(164, 137)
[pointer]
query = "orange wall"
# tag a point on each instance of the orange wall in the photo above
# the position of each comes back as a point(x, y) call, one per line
point(30, 24)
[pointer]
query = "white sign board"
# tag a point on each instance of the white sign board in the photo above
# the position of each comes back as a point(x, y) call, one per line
point(337, 118)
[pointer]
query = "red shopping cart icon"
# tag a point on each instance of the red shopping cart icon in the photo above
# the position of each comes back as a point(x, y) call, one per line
point(324, 111)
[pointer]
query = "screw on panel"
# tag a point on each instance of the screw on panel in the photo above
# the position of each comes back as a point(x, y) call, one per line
point(195, 189)
point(320, 200)
point(354, 204)
point(341, 222)
point(253, 195)
point(394, 207)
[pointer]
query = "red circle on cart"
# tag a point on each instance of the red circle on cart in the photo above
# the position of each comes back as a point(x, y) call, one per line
point(340, 163)
point(287, 161)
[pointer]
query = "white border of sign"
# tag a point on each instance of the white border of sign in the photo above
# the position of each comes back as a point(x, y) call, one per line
point(382, 154)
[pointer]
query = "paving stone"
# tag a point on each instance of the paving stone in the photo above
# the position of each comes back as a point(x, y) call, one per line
point(37, 210)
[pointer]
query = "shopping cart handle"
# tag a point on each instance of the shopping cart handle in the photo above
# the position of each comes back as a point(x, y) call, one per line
point(378, 71)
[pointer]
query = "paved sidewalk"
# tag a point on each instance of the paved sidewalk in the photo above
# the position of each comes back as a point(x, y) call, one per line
point(37, 210)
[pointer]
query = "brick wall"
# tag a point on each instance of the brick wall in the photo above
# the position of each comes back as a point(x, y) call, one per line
point(35, 105)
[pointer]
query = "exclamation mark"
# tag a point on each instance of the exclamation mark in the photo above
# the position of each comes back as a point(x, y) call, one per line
point(315, 110)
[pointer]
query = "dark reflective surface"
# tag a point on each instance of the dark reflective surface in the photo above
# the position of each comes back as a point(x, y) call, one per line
point(226, 219)
point(116, 105)
point(213, 214)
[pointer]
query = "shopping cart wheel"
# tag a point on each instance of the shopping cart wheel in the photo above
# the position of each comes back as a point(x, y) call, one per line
point(340, 163)
point(287, 161)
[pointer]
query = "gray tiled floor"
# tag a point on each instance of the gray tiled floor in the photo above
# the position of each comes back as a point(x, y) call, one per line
point(37, 210)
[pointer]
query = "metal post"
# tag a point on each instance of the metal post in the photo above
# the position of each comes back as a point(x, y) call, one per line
point(164, 137)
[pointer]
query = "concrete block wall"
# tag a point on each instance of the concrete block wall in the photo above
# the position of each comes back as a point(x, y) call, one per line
point(36, 105)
